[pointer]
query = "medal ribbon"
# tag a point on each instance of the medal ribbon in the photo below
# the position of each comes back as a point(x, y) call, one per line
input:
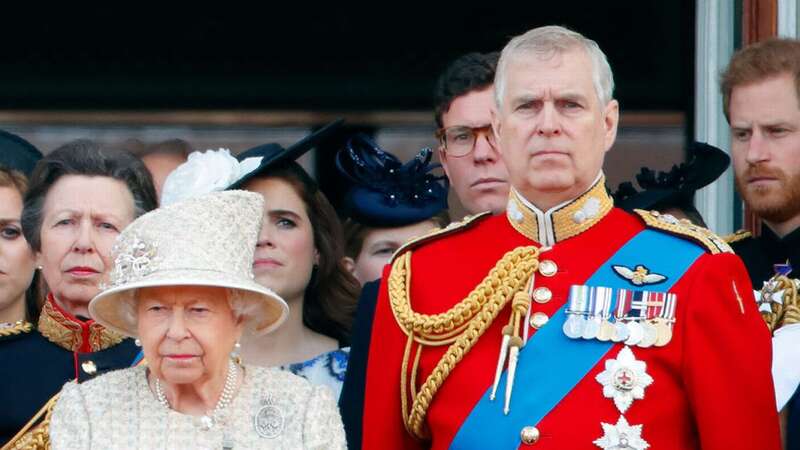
point(558, 363)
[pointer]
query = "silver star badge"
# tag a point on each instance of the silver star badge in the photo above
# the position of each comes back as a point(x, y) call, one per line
point(624, 379)
point(621, 436)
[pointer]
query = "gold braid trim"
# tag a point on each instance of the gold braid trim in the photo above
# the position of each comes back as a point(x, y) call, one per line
point(18, 328)
point(737, 236)
point(35, 436)
point(685, 229)
point(460, 326)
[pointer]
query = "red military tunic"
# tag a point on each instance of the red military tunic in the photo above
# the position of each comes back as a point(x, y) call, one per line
point(711, 389)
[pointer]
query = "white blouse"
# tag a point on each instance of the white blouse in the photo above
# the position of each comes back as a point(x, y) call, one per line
point(273, 409)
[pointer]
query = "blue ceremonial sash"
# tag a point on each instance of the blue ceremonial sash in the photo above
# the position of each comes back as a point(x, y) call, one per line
point(551, 364)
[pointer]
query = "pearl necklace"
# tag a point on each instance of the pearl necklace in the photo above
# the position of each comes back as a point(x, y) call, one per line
point(208, 420)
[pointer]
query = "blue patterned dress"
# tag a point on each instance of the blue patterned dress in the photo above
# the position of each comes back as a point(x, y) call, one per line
point(327, 369)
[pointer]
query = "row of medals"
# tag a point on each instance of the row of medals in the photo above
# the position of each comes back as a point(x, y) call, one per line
point(637, 332)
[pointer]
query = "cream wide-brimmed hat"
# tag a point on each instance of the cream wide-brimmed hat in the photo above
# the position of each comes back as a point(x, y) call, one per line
point(208, 240)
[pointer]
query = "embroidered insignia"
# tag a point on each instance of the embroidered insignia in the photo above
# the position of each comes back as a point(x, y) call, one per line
point(621, 436)
point(771, 292)
point(513, 211)
point(778, 299)
point(638, 276)
point(624, 379)
point(589, 210)
point(269, 420)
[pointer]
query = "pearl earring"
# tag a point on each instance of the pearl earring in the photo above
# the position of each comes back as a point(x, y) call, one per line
point(137, 342)
point(236, 353)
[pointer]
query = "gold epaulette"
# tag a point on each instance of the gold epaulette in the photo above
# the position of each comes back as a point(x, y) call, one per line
point(35, 435)
point(737, 236)
point(18, 328)
point(685, 229)
point(437, 233)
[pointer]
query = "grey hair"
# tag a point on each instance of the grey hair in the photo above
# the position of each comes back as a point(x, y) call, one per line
point(551, 40)
point(242, 308)
point(86, 158)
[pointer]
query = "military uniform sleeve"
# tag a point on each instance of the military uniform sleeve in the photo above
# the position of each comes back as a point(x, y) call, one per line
point(323, 425)
point(382, 423)
point(69, 426)
point(727, 359)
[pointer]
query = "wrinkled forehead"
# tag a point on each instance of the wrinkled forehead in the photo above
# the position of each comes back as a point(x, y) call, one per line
point(96, 194)
point(552, 70)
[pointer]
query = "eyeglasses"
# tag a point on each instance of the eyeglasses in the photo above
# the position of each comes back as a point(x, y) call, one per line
point(460, 141)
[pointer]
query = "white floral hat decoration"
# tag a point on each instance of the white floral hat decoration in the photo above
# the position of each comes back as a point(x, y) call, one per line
point(207, 240)
point(218, 170)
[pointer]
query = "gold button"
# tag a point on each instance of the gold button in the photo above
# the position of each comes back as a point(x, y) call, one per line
point(542, 295)
point(548, 268)
point(89, 367)
point(539, 319)
point(529, 435)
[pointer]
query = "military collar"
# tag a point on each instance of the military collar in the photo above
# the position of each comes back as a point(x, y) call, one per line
point(563, 221)
point(72, 333)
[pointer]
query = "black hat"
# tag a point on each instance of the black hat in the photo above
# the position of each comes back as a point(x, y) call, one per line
point(385, 192)
point(17, 153)
point(273, 155)
point(704, 164)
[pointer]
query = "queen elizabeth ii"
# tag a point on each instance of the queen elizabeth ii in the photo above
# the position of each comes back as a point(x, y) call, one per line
point(182, 285)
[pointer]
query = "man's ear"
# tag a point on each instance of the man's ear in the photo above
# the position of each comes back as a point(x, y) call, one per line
point(496, 129)
point(611, 122)
point(443, 160)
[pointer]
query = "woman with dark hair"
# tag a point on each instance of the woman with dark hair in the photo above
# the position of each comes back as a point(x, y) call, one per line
point(18, 293)
point(299, 255)
point(19, 281)
point(80, 198)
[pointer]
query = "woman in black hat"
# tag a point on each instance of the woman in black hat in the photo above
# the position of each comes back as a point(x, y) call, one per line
point(673, 192)
point(388, 204)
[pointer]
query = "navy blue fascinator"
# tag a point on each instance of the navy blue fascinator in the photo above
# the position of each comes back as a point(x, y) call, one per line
point(385, 192)
point(17, 153)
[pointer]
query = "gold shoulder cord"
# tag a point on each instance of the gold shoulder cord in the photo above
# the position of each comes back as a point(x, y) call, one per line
point(460, 326)
point(35, 436)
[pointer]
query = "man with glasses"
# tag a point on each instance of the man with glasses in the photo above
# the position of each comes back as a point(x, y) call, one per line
point(463, 99)
point(463, 112)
